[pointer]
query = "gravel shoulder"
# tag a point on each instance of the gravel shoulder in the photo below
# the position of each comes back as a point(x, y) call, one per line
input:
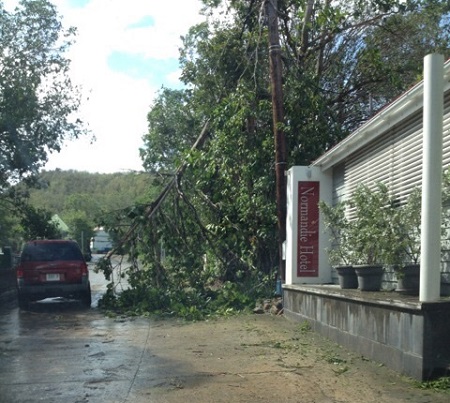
point(266, 358)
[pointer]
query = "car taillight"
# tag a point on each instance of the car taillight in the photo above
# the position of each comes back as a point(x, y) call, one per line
point(19, 273)
point(84, 270)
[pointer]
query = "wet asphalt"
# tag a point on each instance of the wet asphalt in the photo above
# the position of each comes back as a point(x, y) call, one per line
point(59, 351)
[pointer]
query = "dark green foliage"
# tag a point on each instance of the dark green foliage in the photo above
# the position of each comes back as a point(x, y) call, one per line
point(438, 385)
point(37, 98)
point(172, 128)
point(10, 229)
point(143, 298)
point(81, 228)
point(37, 223)
point(38, 104)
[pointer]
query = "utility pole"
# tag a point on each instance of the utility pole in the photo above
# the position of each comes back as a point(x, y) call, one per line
point(278, 120)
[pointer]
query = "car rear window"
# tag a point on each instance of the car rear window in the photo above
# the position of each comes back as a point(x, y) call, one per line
point(51, 251)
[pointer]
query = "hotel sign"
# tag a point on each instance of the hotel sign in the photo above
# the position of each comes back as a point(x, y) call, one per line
point(308, 229)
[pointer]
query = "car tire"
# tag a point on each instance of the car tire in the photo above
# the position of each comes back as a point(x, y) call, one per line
point(23, 302)
point(86, 298)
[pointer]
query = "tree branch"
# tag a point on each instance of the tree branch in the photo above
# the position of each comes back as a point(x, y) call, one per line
point(156, 204)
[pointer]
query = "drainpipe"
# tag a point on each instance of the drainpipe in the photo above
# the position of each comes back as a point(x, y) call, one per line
point(433, 110)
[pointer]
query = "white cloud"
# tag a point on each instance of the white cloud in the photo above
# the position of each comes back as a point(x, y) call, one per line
point(117, 117)
point(174, 77)
point(118, 104)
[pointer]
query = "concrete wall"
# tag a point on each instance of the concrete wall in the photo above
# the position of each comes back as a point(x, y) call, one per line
point(407, 336)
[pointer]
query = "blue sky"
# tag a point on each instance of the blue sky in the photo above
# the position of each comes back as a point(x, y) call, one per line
point(138, 67)
point(77, 3)
point(124, 53)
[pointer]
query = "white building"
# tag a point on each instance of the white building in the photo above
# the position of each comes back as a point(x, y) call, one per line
point(100, 242)
point(407, 144)
point(389, 149)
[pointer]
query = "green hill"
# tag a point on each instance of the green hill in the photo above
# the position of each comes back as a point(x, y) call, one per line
point(73, 190)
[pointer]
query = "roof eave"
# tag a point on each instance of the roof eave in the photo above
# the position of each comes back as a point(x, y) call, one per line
point(402, 107)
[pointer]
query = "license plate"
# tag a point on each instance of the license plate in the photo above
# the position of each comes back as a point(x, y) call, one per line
point(52, 277)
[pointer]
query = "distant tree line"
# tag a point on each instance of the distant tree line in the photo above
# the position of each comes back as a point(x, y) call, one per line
point(82, 200)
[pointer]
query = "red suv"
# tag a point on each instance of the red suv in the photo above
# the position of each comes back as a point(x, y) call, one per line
point(52, 268)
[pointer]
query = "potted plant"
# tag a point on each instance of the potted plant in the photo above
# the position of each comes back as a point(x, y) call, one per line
point(406, 244)
point(371, 212)
point(375, 233)
point(339, 253)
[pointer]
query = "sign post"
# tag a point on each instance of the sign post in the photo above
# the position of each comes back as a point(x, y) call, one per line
point(306, 241)
point(308, 229)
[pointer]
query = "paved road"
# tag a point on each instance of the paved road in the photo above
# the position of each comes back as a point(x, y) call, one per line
point(60, 352)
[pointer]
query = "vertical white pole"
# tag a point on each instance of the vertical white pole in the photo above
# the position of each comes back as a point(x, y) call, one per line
point(431, 178)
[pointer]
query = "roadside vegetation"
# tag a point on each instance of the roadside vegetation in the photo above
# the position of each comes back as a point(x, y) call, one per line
point(38, 111)
point(438, 385)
